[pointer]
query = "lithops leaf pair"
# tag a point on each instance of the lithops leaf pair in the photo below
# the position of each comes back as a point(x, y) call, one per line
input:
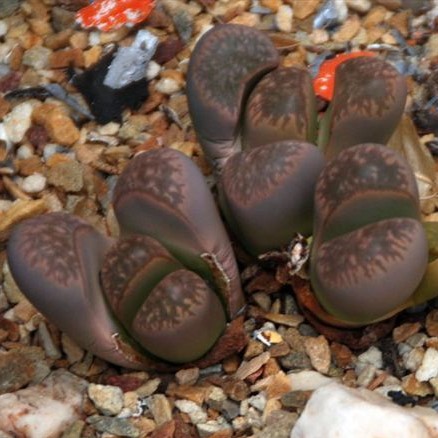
point(164, 290)
point(370, 250)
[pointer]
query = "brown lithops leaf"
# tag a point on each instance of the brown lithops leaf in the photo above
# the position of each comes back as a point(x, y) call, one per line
point(281, 107)
point(369, 99)
point(224, 65)
point(363, 275)
point(163, 194)
point(267, 193)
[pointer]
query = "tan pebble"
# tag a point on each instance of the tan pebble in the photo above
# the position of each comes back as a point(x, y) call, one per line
point(58, 124)
point(92, 55)
point(374, 17)
point(271, 406)
point(432, 342)
point(432, 323)
point(388, 38)
point(400, 21)
point(247, 19)
point(319, 352)
point(40, 27)
point(350, 378)
point(284, 18)
point(19, 211)
point(112, 37)
point(374, 34)
point(279, 350)
point(279, 385)
point(24, 311)
point(66, 58)
point(79, 40)
point(360, 6)
point(188, 376)
point(271, 367)
point(404, 331)
point(303, 9)
point(413, 387)
point(67, 175)
point(273, 5)
point(160, 409)
point(196, 394)
point(236, 389)
point(248, 368)
point(58, 40)
point(146, 425)
point(253, 349)
point(348, 30)
point(319, 36)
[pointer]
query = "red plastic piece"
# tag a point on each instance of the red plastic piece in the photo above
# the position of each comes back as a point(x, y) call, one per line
point(324, 81)
point(109, 15)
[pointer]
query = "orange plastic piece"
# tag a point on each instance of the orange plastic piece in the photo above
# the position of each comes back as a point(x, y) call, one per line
point(324, 81)
point(108, 15)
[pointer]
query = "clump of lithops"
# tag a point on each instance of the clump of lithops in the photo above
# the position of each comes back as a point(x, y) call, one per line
point(167, 290)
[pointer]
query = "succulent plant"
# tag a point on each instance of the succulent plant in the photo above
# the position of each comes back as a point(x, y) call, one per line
point(168, 289)
point(164, 290)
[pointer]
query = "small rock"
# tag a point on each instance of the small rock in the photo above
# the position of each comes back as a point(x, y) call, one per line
point(417, 340)
point(47, 341)
point(44, 410)
point(413, 387)
point(337, 411)
point(429, 366)
point(248, 368)
point(214, 429)
point(258, 401)
point(413, 359)
point(168, 86)
point(366, 375)
point(319, 352)
point(348, 30)
point(404, 331)
point(278, 424)
point(296, 360)
point(308, 380)
point(188, 376)
point(432, 323)
point(302, 10)
point(72, 350)
point(115, 426)
point(67, 175)
point(34, 183)
point(196, 413)
point(373, 356)
point(216, 397)
point(361, 6)
point(20, 367)
point(37, 57)
point(295, 399)
point(18, 121)
point(160, 408)
point(107, 399)
point(283, 18)
point(279, 385)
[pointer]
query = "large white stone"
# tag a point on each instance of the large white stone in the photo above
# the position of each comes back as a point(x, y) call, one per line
point(43, 410)
point(336, 411)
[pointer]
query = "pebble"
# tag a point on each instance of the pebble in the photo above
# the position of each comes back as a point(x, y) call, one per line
point(188, 376)
point(404, 331)
point(107, 399)
point(30, 412)
point(115, 426)
point(20, 367)
point(47, 342)
point(168, 86)
point(308, 380)
point(72, 350)
point(372, 356)
point(414, 387)
point(413, 359)
point(18, 121)
point(284, 18)
point(24, 151)
point(337, 411)
point(361, 6)
point(303, 10)
point(196, 413)
point(319, 352)
point(248, 367)
point(37, 57)
point(67, 175)
point(216, 397)
point(160, 408)
point(34, 183)
point(429, 366)
point(432, 323)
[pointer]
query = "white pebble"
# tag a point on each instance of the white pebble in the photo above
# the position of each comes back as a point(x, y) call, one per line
point(153, 70)
point(429, 366)
point(3, 28)
point(18, 121)
point(361, 6)
point(107, 399)
point(24, 151)
point(196, 413)
point(34, 183)
point(283, 18)
point(413, 359)
point(94, 39)
point(308, 380)
point(373, 356)
point(168, 86)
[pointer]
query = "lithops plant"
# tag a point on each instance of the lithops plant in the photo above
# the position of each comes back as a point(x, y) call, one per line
point(165, 290)
point(369, 249)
